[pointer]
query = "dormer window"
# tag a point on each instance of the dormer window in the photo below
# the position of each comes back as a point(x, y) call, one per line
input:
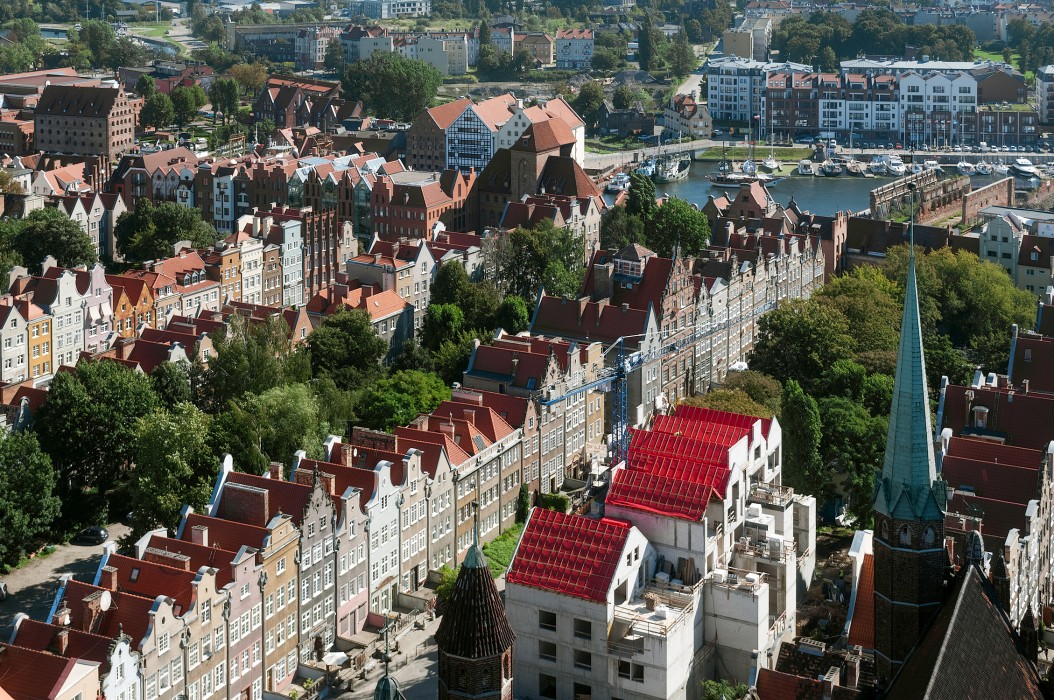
point(980, 417)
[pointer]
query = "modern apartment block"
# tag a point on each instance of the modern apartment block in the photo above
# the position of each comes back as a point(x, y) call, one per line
point(696, 555)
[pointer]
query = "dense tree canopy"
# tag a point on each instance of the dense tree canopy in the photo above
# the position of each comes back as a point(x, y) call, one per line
point(543, 256)
point(174, 467)
point(88, 427)
point(50, 232)
point(398, 399)
point(28, 505)
point(149, 231)
point(391, 85)
point(346, 349)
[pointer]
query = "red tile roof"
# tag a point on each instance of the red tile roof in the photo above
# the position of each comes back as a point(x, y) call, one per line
point(589, 321)
point(226, 534)
point(149, 579)
point(862, 630)
point(359, 476)
point(1025, 419)
point(998, 518)
point(128, 614)
point(989, 451)
point(455, 454)
point(1032, 360)
point(286, 497)
point(200, 555)
point(40, 636)
point(27, 674)
point(485, 420)
point(569, 554)
point(1002, 482)
point(511, 409)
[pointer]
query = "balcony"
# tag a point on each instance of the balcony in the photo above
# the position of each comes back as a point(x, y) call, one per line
point(770, 550)
point(660, 608)
point(771, 495)
point(738, 580)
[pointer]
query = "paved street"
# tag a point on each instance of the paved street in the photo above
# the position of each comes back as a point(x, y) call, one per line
point(33, 586)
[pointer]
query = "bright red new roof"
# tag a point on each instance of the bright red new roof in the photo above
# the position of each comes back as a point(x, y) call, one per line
point(713, 433)
point(862, 630)
point(569, 554)
point(653, 493)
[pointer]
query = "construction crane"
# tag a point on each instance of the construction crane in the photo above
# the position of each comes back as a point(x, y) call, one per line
point(614, 378)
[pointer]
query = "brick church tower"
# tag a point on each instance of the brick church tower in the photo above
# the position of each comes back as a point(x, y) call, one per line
point(910, 559)
point(474, 638)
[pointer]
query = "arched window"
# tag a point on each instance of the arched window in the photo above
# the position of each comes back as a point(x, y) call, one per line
point(905, 535)
point(929, 538)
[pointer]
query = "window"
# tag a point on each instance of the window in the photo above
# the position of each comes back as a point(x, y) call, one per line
point(583, 660)
point(630, 670)
point(162, 643)
point(547, 620)
point(583, 629)
point(546, 686)
point(546, 650)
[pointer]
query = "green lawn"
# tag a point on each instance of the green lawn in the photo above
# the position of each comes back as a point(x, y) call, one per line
point(499, 550)
point(997, 56)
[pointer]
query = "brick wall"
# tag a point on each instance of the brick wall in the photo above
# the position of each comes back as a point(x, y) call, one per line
point(245, 504)
point(484, 679)
point(997, 194)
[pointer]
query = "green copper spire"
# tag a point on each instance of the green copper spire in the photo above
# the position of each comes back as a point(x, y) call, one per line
point(908, 487)
point(474, 558)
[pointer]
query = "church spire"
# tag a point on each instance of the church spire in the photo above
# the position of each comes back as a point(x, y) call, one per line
point(907, 487)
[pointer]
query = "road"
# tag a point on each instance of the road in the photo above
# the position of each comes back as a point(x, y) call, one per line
point(33, 587)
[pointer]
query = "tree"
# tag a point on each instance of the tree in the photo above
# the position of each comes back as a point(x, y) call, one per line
point(286, 419)
point(513, 316)
point(802, 431)
point(681, 57)
point(828, 59)
point(852, 448)
point(732, 400)
point(484, 34)
point(372, 80)
point(145, 87)
point(346, 349)
point(232, 432)
point(412, 355)
point(8, 184)
point(523, 503)
point(224, 95)
point(334, 59)
point(588, 102)
point(677, 226)
point(250, 77)
point(623, 97)
point(799, 341)
point(871, 303)
point(186, 101)
point(174, 467)
point(250, 358)
point(724, 690)
point(477, 301)
point(399, 399)
point(619, 228)
point(50, 232)
point(645, 43)
point(694, 30)
point(451, 359)
point(28, 505)
point(441, 322)
point(759, 387)
point(608, 60)
point(157, 111)
point(88, 427)
point(641, 202)
point(171, 381)
point(530, 258)
point(149, 231)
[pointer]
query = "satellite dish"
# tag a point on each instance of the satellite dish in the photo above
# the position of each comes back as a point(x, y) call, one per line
point(104, 601)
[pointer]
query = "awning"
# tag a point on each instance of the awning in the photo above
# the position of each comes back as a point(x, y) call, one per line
point(335, 658)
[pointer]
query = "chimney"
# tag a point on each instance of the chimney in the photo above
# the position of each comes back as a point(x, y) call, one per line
point(603, 287)
point(470, 416)
point(447, 429)
point(199, 534)
point(172, 559)
point(61, 641)
point(347, 454)
point(276, 471)
point(852, 667)
point(625, 308)
point(62, 615)
point(830, 681)
point(91, 610)
point(108, 578)
point(245, 504)
point(329, 483)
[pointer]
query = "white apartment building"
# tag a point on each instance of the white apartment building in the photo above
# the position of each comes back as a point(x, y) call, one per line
point(698, 556)
point(390, 9)
point(736, 86)
point(1045, 93)
point(574, 49)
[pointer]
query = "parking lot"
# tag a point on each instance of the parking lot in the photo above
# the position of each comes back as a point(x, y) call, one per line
point(32, 588)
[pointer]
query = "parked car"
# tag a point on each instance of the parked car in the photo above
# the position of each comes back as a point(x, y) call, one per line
point(91, 535)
